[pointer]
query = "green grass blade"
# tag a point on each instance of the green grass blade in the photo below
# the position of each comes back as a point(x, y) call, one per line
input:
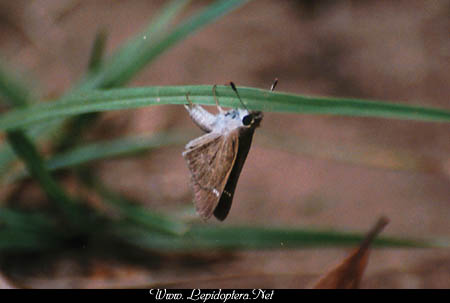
point(74, 128)
point(7, 155)
point(132, 58)
point(27, 232)
point(15, 94)
point(15, 219)
point(152, 221)
point(13, 241)
point(256, 99)
point(119, 68)
point(242, 238)
point(257, 238)
point(97, 51)
point(129, 145)
point(133, 211)
point(23, 147)
point(125, 146)
point(12, 91)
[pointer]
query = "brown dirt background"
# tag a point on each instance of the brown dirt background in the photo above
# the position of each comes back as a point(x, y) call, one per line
point(343, 173)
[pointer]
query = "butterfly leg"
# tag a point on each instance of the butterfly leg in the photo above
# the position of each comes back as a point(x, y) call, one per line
point(217, 100)
point(189, 105)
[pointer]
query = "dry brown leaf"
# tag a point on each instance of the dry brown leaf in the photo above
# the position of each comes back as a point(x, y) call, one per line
point(348, 274)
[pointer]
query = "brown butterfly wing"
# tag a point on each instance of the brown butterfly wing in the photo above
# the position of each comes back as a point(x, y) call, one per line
point(210, 160)
point(224, 205)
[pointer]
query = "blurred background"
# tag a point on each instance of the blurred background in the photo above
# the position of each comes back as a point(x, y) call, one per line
point(302, 170)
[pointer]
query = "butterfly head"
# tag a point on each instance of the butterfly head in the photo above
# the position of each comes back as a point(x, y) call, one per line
point(248, 119)
point(252, 118)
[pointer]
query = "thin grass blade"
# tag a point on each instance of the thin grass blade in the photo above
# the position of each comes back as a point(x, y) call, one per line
point(74, 128)
point(126, 146)
point(243, 238)
point(23, 147)
point(152, 43)
point(12, 91)
point(130, 210)
point(256, 99)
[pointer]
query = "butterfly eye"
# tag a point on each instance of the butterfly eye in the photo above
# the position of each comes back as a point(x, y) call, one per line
point(247, 120)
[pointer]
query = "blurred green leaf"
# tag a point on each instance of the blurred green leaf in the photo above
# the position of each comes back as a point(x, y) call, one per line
point(152, 221)
point(112, 148)
point(255, 238)
point(238, 238)
point(13, 240)
point(7, 155)
point(146, 46)
point(128, 145)
point(132, 210)
point(12, 91)
point(97, 51)
point(23, 147)
point(74, 128)
point(26, 231)
point(25, 220)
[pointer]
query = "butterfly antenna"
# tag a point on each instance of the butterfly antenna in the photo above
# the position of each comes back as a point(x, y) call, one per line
point(274, 84)
point(237, 94)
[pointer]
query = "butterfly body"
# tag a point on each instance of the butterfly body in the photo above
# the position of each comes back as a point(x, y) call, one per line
point(215, 160)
